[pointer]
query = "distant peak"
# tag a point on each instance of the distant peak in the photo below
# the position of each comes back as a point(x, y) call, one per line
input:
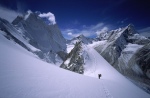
point(131, 29)
point(130, 25)
point(81, 35)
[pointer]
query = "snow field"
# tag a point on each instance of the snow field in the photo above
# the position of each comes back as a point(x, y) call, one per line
point(22, 75)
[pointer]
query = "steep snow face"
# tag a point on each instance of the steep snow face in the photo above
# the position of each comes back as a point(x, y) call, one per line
point(142, 59)
point(24, 76)
point(45, 37)
point(116, 42)
point(125, 57)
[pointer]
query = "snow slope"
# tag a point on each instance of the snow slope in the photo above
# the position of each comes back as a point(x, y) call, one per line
point(22, 75)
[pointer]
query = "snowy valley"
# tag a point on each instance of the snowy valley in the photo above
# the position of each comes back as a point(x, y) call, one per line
point(34, 57)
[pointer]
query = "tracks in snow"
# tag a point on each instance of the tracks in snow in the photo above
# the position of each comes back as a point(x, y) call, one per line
point(93, 70)
point(108, 94)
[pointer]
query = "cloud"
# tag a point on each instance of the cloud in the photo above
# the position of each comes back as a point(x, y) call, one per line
point(69, 33)
point(145, 31)
point(8, 14)
point(97, 26)
point(50, 16)
point(104, 29)
point(88, 31)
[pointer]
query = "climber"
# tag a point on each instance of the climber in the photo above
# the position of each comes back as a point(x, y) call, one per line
point(99, 75)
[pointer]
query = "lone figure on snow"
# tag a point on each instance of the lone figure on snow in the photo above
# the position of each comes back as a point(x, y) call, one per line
point(99, 75)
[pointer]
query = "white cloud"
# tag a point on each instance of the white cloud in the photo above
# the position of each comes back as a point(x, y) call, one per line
point(50, 16)
point(145, 31)
point(104, 29)
point(8, 14)
point(98, 26)
point(69, 33)
point(87, 31)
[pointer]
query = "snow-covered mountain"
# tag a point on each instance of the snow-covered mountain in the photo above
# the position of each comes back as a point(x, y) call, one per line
point(76, 57)
point(142, 59)
point(32, 39)
point(74, 60)
point(123, 49)
point(80, 38)
point(23, 75)
point(39, 32)
point(31, 32)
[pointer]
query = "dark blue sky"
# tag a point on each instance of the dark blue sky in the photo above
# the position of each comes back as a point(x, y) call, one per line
point(77, 14)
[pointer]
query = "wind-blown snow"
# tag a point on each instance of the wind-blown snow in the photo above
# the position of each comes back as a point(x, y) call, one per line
point(50, 16)
point(27, 15)
point(103, 30)
point(24, 76)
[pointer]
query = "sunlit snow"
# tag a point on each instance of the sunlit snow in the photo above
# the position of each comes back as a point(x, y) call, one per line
point(22, 75)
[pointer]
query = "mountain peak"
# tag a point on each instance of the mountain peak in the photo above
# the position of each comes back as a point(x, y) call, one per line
point(28, 13)
point(81, 36)
point(130, 25)
point(131, 29)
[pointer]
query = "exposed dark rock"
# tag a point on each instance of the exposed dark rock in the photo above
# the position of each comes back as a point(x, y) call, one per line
point(74, 61)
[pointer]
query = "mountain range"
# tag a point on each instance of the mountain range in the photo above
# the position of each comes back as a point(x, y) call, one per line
point(121, 53)
point(126, 50)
